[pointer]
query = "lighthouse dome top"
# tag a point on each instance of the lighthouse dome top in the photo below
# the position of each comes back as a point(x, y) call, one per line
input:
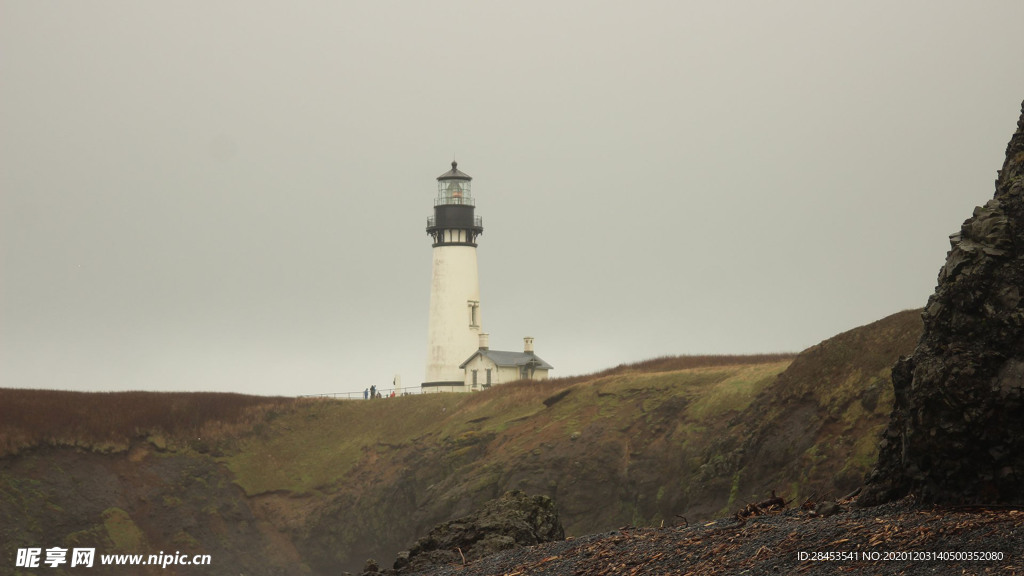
point(454, 187)
point(455, 174)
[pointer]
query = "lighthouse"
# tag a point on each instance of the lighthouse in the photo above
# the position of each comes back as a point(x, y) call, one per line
point(454, 328)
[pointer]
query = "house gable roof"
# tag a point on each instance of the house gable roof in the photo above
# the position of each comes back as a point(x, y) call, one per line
point(502, 358)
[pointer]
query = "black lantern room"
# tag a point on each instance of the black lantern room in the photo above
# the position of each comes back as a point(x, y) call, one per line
point(453, 222)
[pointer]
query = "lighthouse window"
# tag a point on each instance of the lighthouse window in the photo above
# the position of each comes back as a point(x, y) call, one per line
point(474, 310)
point(454, 192)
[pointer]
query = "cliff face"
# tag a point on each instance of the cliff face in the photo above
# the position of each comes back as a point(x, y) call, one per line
point(956, 433)
point(141, 501)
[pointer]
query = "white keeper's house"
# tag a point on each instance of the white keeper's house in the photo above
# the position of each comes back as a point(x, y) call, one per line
point(458, 356)
point(487, 367)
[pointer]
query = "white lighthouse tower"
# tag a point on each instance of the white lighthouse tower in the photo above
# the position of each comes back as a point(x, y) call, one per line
point(454, 326)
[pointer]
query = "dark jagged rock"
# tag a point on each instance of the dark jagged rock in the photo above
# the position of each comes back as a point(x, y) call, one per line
point(956, 433)
point(370, 568)
point(513, 520)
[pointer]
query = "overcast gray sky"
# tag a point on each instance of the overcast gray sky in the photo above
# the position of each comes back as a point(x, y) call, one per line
point(232, 195)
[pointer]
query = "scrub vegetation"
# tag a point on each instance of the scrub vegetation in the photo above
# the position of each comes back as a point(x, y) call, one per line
point(324, 484)
point(109, 421)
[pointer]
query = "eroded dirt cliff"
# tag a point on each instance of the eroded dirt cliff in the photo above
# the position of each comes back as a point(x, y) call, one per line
point(320, 486)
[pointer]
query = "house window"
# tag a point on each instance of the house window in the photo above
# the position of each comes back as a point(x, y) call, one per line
point(474, 378)
point(488, 378)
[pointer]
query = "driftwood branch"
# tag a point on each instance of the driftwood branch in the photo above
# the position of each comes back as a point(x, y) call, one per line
point(772, 504)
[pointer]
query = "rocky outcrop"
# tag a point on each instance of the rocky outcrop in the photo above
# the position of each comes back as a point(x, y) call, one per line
point(513, 520)
point(956, 433)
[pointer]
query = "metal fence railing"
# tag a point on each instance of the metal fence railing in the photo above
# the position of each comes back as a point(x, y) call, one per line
point(365, 395)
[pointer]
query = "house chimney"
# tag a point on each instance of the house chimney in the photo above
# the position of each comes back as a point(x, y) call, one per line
point(528, 345)
point(484, 344)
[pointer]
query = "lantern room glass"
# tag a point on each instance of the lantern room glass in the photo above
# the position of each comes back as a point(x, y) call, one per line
point(454, 192)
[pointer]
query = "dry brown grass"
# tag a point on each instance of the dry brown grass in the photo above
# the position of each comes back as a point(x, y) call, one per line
point(109, 421)
point(674, 363)
point(533, 390)
point(671, 363)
